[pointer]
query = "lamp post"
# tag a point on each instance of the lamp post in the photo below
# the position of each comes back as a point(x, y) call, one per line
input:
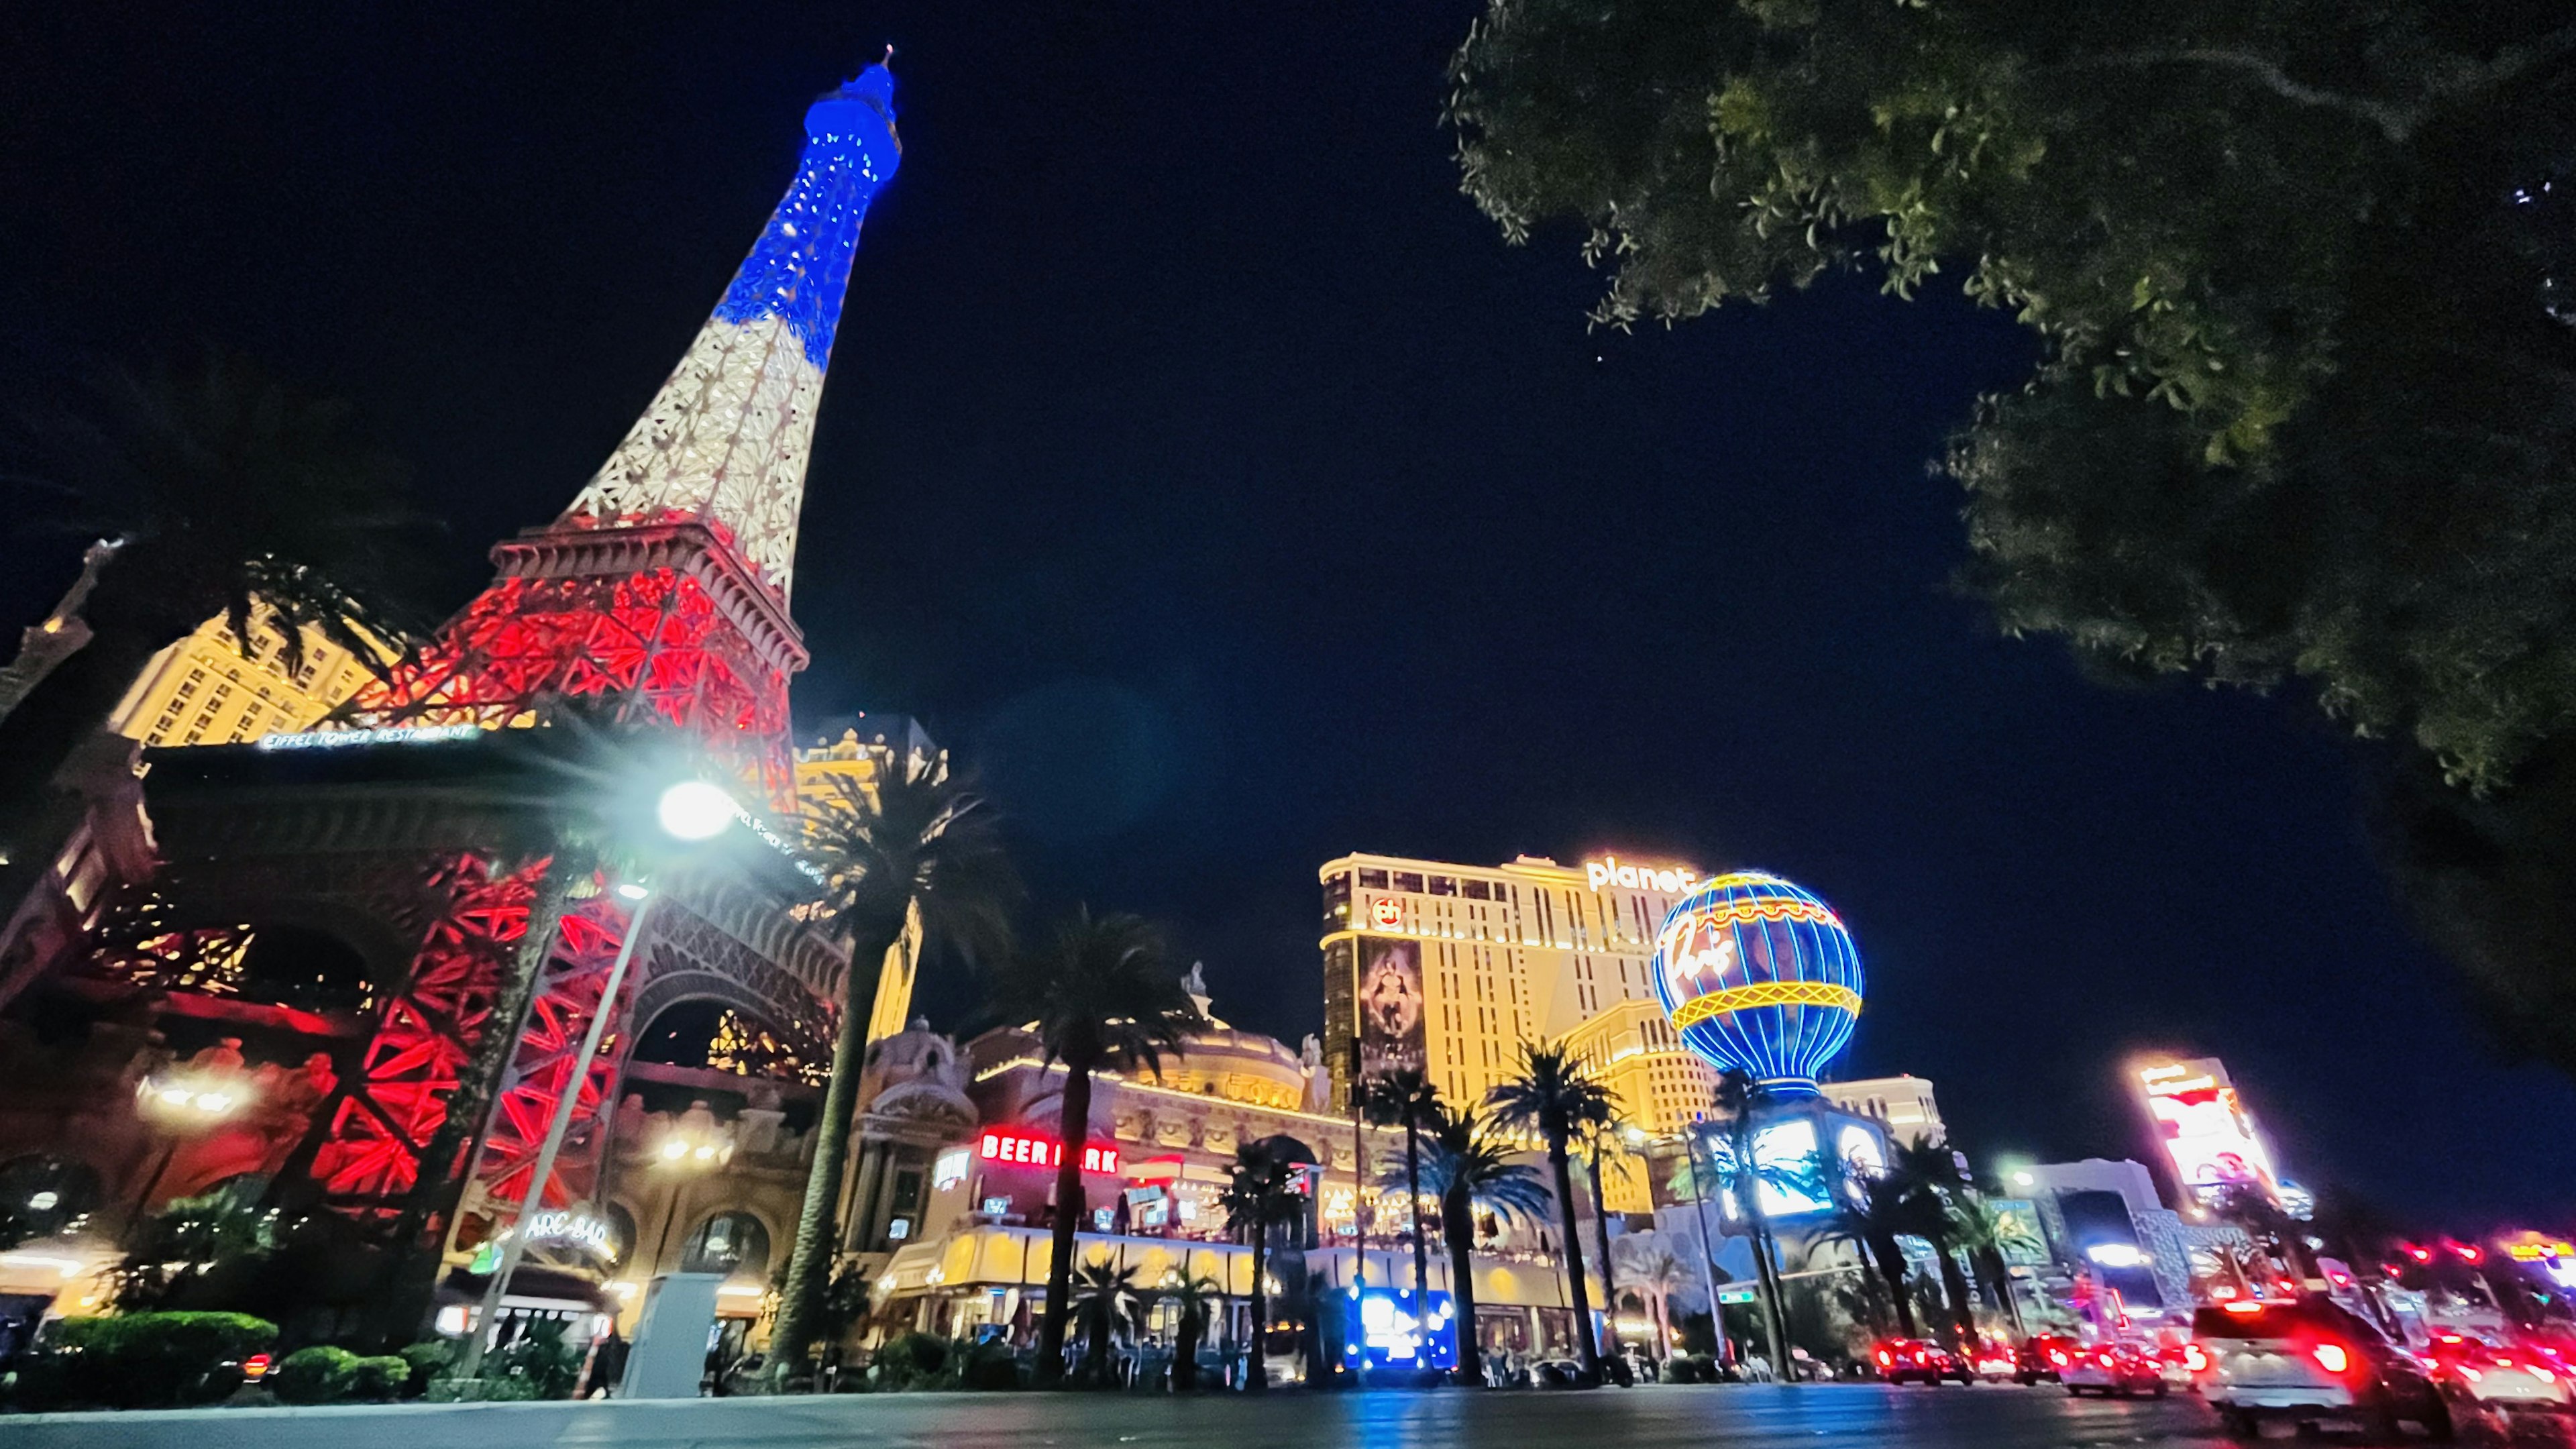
point(479, 1331)
point(690, 811)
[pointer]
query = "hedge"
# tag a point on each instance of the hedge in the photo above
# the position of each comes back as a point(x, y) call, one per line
point(142, 1360)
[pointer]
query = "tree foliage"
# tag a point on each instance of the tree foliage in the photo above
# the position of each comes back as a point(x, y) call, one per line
point(2303, 278)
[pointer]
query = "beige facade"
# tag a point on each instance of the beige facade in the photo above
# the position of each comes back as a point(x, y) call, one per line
point(204, 689)
point(1903, 1105)
point(1526, 951)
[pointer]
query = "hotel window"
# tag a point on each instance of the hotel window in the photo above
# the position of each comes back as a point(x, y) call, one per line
point(1408, 880)
point(1477, 890)
point(1444, 885)
point(1370, 877)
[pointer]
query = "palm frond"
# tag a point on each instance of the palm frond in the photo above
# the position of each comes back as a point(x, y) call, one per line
point(1101, 992)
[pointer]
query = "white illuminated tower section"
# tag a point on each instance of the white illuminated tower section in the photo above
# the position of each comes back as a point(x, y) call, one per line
point(664, 587)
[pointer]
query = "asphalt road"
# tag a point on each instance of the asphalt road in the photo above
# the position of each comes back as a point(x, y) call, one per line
point(1832, 1416)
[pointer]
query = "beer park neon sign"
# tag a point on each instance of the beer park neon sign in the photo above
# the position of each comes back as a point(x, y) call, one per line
point(1606, 872)
point(1036, 1151)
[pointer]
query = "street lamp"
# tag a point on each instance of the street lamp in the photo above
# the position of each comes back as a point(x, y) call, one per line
point(696, 810)
point(182, 1102)
point(685, 1152)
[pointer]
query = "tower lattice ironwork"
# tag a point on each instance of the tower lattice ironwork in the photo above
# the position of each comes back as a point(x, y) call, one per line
point(662, 591)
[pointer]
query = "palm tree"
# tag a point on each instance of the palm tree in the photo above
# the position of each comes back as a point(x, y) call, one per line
point(1603, 1138)
point(1926, 1173)
point(1260, 1194)
point(1194, 1299)
point(1655, 1270)
point(1871, 1218)
point(1104, 1301)
point(915, 844)
point(1737, 1097)
point(1099, 994)
point(1989, 1237)
point(2267, 1224)
point(1470, 1169)
point(1408, 1100)
point(225, 493)
point(1555, 1097)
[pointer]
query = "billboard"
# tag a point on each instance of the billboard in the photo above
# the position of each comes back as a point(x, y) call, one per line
point(1390, 1007)
point(2204, 1128)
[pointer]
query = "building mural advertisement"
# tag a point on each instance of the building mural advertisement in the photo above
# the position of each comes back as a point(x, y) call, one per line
point(2204, 1127)
point(1391, 1034)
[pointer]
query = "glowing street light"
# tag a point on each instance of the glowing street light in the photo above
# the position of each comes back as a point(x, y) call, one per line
point(696, 810)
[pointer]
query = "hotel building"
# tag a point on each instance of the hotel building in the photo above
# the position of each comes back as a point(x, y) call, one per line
point(1526, 951)
point(1453, 967)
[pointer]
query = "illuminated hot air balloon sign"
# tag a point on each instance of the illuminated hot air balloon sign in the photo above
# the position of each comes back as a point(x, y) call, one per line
point(1758, 974)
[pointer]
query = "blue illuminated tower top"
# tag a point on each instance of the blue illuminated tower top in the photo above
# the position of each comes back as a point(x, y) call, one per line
point(725, 442)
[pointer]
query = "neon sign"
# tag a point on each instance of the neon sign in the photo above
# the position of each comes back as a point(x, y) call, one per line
point(1607, 871)
point(390, 735)
point(1036, 1151)
point(1387, 912)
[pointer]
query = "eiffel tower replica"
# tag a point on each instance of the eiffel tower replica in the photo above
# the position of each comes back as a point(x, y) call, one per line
point(395, 841)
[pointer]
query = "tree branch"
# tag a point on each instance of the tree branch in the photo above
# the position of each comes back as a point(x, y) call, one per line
point(2393, 121)
point(2396, 120)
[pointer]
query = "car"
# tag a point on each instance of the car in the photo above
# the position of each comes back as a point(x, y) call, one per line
point(1917, 1360)
point(2112, 1368)
point(2477, 1373)
point(1994, 1361)
point(2044, 1356)
point(2312, 1363)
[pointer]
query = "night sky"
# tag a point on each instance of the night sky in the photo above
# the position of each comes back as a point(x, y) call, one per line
point(1201, 467)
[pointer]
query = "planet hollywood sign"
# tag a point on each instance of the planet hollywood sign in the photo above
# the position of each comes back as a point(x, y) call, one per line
point(1606, 872)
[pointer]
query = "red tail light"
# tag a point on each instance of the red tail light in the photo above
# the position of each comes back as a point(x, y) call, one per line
point(1886, 1359)
point(2057, 1356)
point(2334, 1358)
point(255, 1367)
point(2195, 1358)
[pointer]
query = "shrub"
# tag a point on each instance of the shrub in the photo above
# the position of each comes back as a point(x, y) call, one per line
point(992, 1366)
point(317, 1375)
point(538, 1364)
point(379, 1376)
point(143, 1360)
point(427, 1360)
point(913, 1361)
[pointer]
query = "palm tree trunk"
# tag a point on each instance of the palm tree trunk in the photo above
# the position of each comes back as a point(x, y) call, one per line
point(809, 1267)
point(1775, 1300)
point(1766, 1273)
point(1095, 1346)
point(1074, 1131)
point(1575, 1292)
point(1421, 1246)
point(1889, 1256)
point(1601, 1238)
point(1185, 1351)
point(1998, 1276)
point(1954, 1286)
point(1458, 1225)
point(1256, 1373)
